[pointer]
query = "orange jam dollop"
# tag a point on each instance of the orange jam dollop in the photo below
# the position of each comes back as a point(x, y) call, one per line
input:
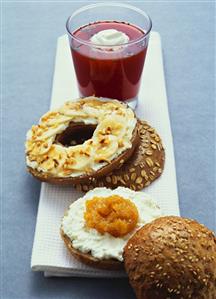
point(113, 214)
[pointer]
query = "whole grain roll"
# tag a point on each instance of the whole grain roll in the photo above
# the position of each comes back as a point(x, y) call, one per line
point(172, 258)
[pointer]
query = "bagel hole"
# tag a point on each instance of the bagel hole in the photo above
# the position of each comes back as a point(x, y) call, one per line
point(75, 134)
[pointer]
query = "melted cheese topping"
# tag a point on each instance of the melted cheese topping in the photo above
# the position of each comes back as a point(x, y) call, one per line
point(115, 124)
point(105, 246)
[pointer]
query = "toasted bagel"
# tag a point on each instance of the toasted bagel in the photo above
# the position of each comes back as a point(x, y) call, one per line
point(52, 157)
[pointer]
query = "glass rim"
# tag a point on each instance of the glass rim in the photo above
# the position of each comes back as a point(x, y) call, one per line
point(114, 4)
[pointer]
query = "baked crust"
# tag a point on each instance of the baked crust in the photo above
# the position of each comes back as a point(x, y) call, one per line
point(172, 257)
point(88, 259)
point(88, 178)
point(144, 166)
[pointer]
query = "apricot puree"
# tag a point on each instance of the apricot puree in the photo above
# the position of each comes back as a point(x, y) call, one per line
point(113, 214)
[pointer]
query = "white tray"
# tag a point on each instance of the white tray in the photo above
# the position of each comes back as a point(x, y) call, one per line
point(49, 253)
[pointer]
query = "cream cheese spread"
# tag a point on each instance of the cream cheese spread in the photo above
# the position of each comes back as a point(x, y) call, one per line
point(105, 246)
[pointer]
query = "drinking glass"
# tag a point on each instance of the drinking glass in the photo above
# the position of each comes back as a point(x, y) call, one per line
point(112, 71)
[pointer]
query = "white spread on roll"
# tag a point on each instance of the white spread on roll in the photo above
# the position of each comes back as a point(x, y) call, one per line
point(105, 246)
point(110, 37)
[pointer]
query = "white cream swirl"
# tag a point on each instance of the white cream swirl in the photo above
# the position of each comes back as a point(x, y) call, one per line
point(109, 37)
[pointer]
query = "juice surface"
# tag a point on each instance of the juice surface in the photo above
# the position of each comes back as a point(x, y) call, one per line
point(109, 72)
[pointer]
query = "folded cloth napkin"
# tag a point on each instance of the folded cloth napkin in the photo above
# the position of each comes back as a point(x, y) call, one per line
point(49, 253)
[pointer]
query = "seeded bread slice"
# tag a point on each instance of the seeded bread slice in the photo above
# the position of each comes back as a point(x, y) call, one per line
point(143, 167)
point(88, 259)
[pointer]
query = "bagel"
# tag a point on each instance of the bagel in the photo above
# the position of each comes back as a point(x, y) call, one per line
point(172, 257)
point(81, 140)
point(97, 226)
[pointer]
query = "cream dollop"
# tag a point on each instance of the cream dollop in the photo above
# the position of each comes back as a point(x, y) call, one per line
point(109, 37)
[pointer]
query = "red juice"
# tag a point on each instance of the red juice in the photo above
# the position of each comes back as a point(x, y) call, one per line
point(109, 72)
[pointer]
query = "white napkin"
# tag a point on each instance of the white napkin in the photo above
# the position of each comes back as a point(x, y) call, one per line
point(49, 253)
